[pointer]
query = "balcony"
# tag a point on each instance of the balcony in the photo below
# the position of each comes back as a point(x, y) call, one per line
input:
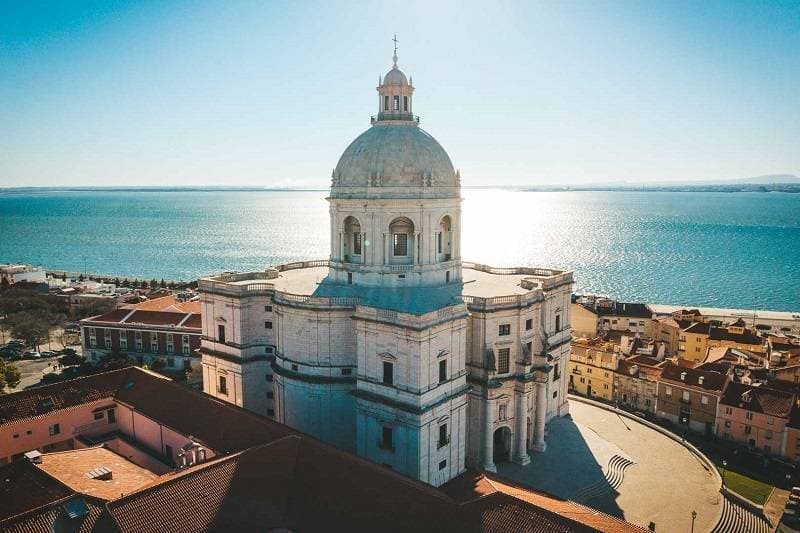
point(394, 116)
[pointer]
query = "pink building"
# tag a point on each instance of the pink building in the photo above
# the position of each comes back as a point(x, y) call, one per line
point(756, 416)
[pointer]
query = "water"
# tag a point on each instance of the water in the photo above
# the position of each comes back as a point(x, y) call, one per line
point(707, 249)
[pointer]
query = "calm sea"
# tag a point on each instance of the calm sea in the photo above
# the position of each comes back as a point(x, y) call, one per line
point(706, 249)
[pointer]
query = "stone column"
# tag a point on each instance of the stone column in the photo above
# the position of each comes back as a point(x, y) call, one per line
point(488, 436)
point(363, 248)
point(521, 456)
point(539, 445)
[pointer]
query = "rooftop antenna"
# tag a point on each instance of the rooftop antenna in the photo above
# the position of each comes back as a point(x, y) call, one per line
point(394, 58)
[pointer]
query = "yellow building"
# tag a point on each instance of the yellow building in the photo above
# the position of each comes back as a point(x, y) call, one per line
point(583, 321)
point(737, 336)
point(693, 342)
point(592, 364)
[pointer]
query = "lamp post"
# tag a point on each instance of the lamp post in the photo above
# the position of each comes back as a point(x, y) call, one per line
point(724, 464)
point(694, 515)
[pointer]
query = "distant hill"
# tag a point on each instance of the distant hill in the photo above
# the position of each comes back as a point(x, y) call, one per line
point(766, 179)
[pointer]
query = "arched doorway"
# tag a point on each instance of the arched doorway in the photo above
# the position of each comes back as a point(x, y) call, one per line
point(352, 240)
point(444, 236)
point(502, 445)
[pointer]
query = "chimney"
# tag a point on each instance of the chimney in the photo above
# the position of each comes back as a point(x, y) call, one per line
point(683, 376)
point(700, 380)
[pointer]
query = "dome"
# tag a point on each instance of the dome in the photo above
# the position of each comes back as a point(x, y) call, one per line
point(395, 77)
point(395, 160)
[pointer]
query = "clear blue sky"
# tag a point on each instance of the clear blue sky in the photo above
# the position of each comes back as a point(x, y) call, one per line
point(257, 93)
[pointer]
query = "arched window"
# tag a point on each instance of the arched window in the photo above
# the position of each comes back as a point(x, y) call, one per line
point(386, 103)
point(444, 238)
point(396, 103)
point(405, 103)
point(401, 231)
point(352, 237)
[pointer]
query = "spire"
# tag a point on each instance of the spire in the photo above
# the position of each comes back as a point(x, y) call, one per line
point(394, 58)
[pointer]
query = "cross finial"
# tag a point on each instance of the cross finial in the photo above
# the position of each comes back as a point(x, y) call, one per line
point(395, 50)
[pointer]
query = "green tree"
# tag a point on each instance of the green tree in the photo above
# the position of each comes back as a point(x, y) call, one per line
point(33, 328)
point(9, 376)
point(158, 364)
point(163, 283)
point(144, 284)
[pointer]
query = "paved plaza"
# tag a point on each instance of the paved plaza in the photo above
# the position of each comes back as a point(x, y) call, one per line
point(623, 468)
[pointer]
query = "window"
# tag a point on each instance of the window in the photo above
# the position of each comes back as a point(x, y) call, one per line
point(99, 416)
point(138, 345)
point(444, 438)
point(556, 372)
point(396, 103)
point(186, 345)
point(555, 394)
point(405, 103)
point(605, 386)
point(267, 324)
point(171, 362)
point(686, 395)
point(770, 420)
point(388, 373)
point(349, 278)
point(727, 423)
point(728, 411)
point(748, 430)
point(221, 333)
point(347, 371)
point(704, 400)
point(505, 329)
point(447, 276)
point(442, 370)
point(386, 438)
point(400, 244)
point(583, 380)
point(269, 377)
point(439, 242)
point(529, 324)
point(222, 388)
point(768, 434)
point(668, 391)
point(267, 308)
point(112, 416)
point(558, 322)
point(749, 415)
point(502, 412)
point(503, 356)
point(386, 103)
point(357, 243)
point(442, 464)
point(153, 343)
point(108, 342)
point(54, 430)
point(168, 452)
point(294, 368)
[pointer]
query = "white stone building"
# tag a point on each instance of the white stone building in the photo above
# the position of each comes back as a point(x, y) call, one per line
point(393, 347)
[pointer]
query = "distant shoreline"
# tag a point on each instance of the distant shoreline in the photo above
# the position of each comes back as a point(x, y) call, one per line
point(747, 188)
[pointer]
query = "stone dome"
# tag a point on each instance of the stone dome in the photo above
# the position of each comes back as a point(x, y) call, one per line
point(395, 77)
point(395, 160)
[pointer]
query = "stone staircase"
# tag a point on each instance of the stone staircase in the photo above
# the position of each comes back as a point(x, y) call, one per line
point(614, 474)
point(738, 519)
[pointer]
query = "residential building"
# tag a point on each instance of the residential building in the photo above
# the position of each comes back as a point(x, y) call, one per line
point(693, 342)
point(174, 459)
point(584, 318)
point(15, 273)
point(394, 347)
point(780, 322)
point(756, 416)
point(592, 365)
point(163, 329)
point(635, 384)
point(667, 329)
point(736, 335)
point(690, 396)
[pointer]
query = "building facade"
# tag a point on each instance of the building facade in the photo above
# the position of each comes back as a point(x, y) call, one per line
point(394, 347)
point(690, 397)
point(636, 385)
point(162, 329)
point(757, 417)
point(592, 366)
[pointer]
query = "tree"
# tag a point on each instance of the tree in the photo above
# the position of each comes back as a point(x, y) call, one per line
point(80, 278)
point(10, 376)
point(158, 364)
point(144, 284)
point(114, 361)
point(163, 283)
point(30, 327)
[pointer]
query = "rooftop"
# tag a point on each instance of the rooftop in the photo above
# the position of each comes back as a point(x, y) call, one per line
point(723, 334)
point(748, 314)
point(711, 381)
point(73, 467)
point(759, 399)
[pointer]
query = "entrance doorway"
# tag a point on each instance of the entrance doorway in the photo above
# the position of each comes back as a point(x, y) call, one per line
point(502, 445)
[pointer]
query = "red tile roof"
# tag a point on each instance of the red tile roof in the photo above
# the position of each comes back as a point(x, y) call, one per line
point(711, 382)
point(25, 487)
point(762, 399)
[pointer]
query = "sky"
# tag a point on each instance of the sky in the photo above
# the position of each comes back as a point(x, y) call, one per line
point(519, 93)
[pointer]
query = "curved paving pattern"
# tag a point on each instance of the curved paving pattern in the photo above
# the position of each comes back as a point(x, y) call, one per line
point(738, 519)
point(614, 475)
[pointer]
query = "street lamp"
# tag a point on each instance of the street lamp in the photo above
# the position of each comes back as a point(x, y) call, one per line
point(694, 515)
point(724, 464)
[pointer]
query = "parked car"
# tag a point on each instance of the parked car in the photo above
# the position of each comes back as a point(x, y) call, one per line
point(48, 353)
point(32, 355)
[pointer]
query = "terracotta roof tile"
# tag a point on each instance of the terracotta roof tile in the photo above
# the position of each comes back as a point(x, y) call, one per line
point(712, 381)
point(25, 487)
